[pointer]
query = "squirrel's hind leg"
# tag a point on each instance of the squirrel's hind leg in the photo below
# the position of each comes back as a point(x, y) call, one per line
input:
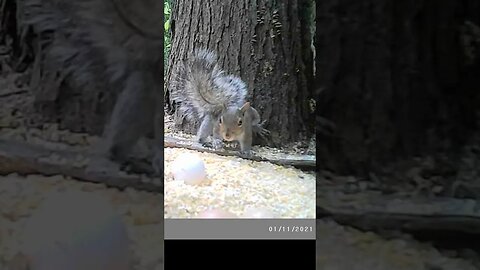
point(132, 118)
point(205, 130)
point(133, 115)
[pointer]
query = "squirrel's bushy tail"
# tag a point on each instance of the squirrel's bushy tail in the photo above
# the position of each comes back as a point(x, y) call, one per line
point(201, 87)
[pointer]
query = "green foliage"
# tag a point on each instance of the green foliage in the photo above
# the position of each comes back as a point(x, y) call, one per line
point(167, 11)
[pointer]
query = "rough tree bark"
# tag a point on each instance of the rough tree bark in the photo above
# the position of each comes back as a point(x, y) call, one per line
point(75, 81)
point(267, 43)
point(396, 81)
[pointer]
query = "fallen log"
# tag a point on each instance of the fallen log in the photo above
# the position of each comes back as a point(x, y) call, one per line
point(300, 161)
point(24, 158)
point(379, 213)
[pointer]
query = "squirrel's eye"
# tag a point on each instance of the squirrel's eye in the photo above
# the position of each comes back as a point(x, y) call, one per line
point(240, 122)
point(220, 120)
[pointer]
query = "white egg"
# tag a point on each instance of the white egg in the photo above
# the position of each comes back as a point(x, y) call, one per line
point(76, 230)
point(189, 168)
point(258, 213)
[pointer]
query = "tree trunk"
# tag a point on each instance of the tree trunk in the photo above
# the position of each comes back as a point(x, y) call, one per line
point(396, 81)
point(266, 43)
point(79, 54)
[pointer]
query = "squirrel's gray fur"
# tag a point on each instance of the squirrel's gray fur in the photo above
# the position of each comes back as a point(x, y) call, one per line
point(205, 93)
point(202, 87)
point(111, 46)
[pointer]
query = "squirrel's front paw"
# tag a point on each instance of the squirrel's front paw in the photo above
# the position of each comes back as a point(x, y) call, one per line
point(204, 142)
point(246, 153)
point(217, 144)
point(102, 165)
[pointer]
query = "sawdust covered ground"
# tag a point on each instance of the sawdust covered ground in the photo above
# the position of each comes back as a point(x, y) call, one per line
point(141, 212)
point(344, 248)
point(234, 184)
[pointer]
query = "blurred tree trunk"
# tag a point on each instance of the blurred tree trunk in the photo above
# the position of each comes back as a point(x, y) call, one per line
point(266, 43)
point(76, 70)
point(397, 80)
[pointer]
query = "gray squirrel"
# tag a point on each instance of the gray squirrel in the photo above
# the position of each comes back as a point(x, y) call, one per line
point(105, 47)
point(205, 92)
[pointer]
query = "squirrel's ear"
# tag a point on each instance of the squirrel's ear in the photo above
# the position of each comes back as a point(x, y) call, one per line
point(245, 107)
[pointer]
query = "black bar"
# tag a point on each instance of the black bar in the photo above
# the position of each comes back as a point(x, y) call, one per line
point(246, 254)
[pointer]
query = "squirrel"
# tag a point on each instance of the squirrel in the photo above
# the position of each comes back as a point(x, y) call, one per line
point(112, 47)
point(205, 92)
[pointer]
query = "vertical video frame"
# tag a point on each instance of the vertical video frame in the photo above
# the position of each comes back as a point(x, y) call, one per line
point(239, 120)
point(81, 136)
